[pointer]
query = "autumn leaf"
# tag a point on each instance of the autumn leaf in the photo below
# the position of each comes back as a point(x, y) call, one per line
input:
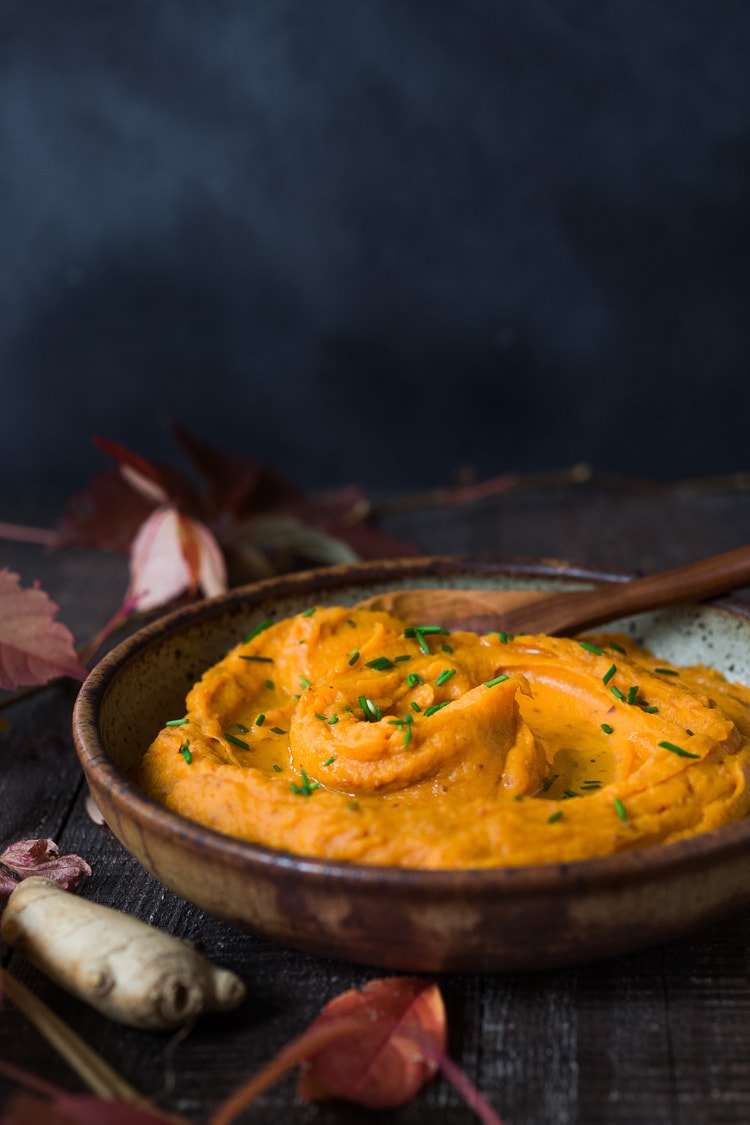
point(376, 1048)
point(77, 1109)
point(380, 1067)
point(33, 646)
point(42, 857)
point(173, 554)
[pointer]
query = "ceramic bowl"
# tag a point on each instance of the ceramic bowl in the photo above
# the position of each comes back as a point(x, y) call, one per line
point(419, 921)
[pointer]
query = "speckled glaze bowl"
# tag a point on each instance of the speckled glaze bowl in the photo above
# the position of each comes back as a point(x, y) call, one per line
point(419, 921)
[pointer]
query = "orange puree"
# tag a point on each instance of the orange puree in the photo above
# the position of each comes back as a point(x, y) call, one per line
point(344, 734)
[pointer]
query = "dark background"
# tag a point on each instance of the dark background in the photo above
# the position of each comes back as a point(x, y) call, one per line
point(376, 241)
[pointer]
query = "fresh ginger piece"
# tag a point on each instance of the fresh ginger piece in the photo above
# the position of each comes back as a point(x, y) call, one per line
point(126, 969)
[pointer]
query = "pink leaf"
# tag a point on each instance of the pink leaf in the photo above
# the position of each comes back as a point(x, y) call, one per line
point(173, 554)
point(104, 515)
point(381, 1067)
point(77, 1109)
point(33, 646)
point(42, 857)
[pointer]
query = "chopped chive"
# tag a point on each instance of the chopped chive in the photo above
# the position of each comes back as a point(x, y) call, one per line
point(242, 728)
point(609, 674)
point(370, 710)
point(380, 664)
point(236, 741)
point(413, 679)
point(270, 685)
point(591, 648)
point(444, 676)
point(309, 612)
point(408, 718)
point(618, 648)
point(185, 751)
point(323, 718)
point(591, 785)
point(497, 680)
point(653, 710)
point(305, 682)
point(396, 723)
point(620, 809)
point(446, 648)
point(617, 693)
point(549, 781)
point(667, 671)
point(413, 630)
point(176, 722)
point(258, 659)
point(330, 761)
point(423, 646)
point(333, 720)
point(266, 624)
point(352, 805)
point(436, 707)
point(260, 720)
point(398, 659)
point(277, 730)
point(504, 637)
point(688, 731)
point(354, 656)
point(415, 706)
point(678, 750)
point(568, 793)
point(633, 693)
point(407, 737)
point(607, 728)
point(348, 708)
point(555, 817)
point(277, 768)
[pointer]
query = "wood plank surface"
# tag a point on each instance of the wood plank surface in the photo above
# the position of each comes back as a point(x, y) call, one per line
point(653, 1038)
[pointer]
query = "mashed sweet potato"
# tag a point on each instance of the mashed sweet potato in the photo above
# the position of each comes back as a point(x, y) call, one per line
point(344, 734)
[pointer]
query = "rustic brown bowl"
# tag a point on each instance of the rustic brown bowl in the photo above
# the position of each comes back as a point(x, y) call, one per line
point(419, 921)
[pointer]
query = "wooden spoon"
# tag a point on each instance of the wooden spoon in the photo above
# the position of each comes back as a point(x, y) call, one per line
point(534, 611)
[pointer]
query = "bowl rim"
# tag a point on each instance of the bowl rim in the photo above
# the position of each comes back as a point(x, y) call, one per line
point(610, 873)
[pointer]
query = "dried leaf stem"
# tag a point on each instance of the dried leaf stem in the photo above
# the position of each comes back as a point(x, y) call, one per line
point(297, 1052)
point(90, 1067)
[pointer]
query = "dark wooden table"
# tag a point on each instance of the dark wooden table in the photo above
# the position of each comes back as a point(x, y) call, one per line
point(655, 1037)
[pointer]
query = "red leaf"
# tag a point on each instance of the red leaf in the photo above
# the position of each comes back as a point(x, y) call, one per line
point(33, 646)
point(42, 857)
point(376, 1047)
point(144, 477)
point(236, 485)
point(381, 1066)
point(173, 554)
point(77, 1109)
point(105, 515)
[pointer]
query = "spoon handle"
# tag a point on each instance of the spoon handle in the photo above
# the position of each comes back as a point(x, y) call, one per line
point(571, 612)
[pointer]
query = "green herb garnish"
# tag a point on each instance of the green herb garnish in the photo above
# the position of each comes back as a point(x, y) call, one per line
point(607, 728)
point(435, 707)
point(176, 722)
point(555, 817)
point(236, 741)
point(413, 679)
point(277, 730)
point(678, 750)
point(444, 676)
point(667, 671)
point(185, 751)
point(370, 710)
point(591, 648)
point(260, 720)
point(309, 612)
point(258, 659)
point(620, 809)
point(380, 664)
point(354, 656)
point(258, 629)
point(609, 674)
point(497, 680)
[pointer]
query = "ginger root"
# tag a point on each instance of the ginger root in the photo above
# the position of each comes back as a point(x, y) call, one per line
point(126, 969)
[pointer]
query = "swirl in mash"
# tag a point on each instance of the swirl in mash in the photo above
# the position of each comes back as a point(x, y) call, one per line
point(345, 734)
